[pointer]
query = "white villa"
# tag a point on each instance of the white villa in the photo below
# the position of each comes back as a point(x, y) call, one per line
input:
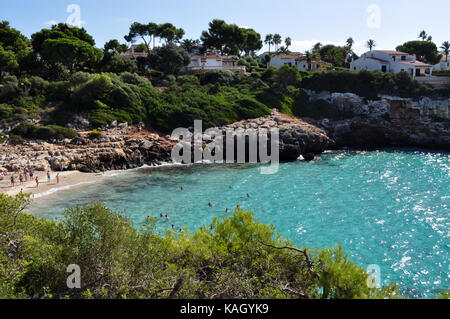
point(131, 54)
point(444, 64)
point(297, 59)
point(392, 61)
point(201, 63)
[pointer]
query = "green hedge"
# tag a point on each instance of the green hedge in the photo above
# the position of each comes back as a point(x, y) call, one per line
point(49, 132)
point(441, 72)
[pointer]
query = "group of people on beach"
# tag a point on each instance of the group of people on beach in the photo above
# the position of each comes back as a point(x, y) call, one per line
point(26, 174)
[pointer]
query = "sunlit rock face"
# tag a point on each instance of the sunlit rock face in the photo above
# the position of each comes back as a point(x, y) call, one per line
point(386, 121)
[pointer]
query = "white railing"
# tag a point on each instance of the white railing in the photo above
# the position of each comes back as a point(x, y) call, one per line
point(240, 68)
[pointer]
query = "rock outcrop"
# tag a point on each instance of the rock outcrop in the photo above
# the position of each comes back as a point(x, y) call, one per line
point(387, 121)
point(296, 137)
point(117, 148)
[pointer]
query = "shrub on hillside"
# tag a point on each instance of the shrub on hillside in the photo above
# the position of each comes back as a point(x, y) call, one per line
point(50, 132)
point(141, 264)
point(224, 77)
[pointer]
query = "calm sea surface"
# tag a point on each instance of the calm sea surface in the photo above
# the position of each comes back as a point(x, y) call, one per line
point(389, 208)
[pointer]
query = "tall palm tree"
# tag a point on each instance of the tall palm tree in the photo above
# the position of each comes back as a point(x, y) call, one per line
point(371, 44)
point(269, 40)
point(283, 50)
point(348, 49)
point(188, 45)
point(316, 47)
point(311, 56)
point(277, 40)
point(288, 42)
point(423, 35)
point(445, 49)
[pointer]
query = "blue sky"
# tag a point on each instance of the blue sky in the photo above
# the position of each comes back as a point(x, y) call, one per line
point(389, 23)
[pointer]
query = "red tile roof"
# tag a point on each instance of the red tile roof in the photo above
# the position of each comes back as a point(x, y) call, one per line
point(391, 52)
point(417, 63)
point(211, 56)
point(378, 60)
point(292, 55)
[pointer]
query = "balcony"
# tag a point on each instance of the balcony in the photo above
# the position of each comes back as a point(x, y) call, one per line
point(198, 69)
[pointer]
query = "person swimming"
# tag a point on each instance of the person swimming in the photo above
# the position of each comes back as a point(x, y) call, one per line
point(210, 204)
point(248, 195)
point(182, 188)
point(167, 217)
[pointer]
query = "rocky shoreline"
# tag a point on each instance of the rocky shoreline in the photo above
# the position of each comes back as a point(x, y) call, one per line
point(118, 148)
point(389, 121)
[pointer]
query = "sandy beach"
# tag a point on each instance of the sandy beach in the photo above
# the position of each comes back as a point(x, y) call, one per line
point(67, 180)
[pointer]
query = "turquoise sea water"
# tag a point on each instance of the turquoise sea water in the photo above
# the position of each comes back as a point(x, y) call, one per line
point(389, 208)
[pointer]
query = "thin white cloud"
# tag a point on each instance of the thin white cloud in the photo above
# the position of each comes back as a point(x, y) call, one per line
point(50, 23)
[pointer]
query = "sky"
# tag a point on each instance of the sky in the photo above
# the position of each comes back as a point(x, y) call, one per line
point(306, 22)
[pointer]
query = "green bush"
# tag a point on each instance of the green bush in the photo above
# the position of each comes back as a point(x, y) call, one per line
point(367, 84)
point(15, 140)
point(94, 134)
point(441, 72)
point(133, 78)
point(233, 257)
point(50, 132)
point(224, 77)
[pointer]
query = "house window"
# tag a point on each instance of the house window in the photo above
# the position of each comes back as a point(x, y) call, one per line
point(403, 58)
point(354, 68)
point(383, 68)
point(393, 58)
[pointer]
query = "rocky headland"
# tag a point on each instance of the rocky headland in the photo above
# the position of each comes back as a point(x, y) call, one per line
point(387, 121)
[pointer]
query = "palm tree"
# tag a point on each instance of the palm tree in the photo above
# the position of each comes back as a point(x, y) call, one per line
point(423, 35)
point(283, 50)
point(371, 44)
point(350, 42)
point(348, 49)
point(269, 40)
point(430, 38)
point(445, 49)
point(310, 56)
point(288, 42)
point(188, 45)
point(277, 40)
point(317, 47)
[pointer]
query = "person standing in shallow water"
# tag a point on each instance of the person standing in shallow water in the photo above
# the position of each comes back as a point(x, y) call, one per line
point(48, 176)
point(12, 180)
point(37, 182)
point(57, 178)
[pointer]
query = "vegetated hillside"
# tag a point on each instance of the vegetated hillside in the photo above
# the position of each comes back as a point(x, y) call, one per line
point(216, 97)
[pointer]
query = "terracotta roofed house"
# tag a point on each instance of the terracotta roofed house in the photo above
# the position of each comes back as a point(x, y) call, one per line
point(444, 64)
point(297, 59)
point(200, 63)
point(391, 61)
